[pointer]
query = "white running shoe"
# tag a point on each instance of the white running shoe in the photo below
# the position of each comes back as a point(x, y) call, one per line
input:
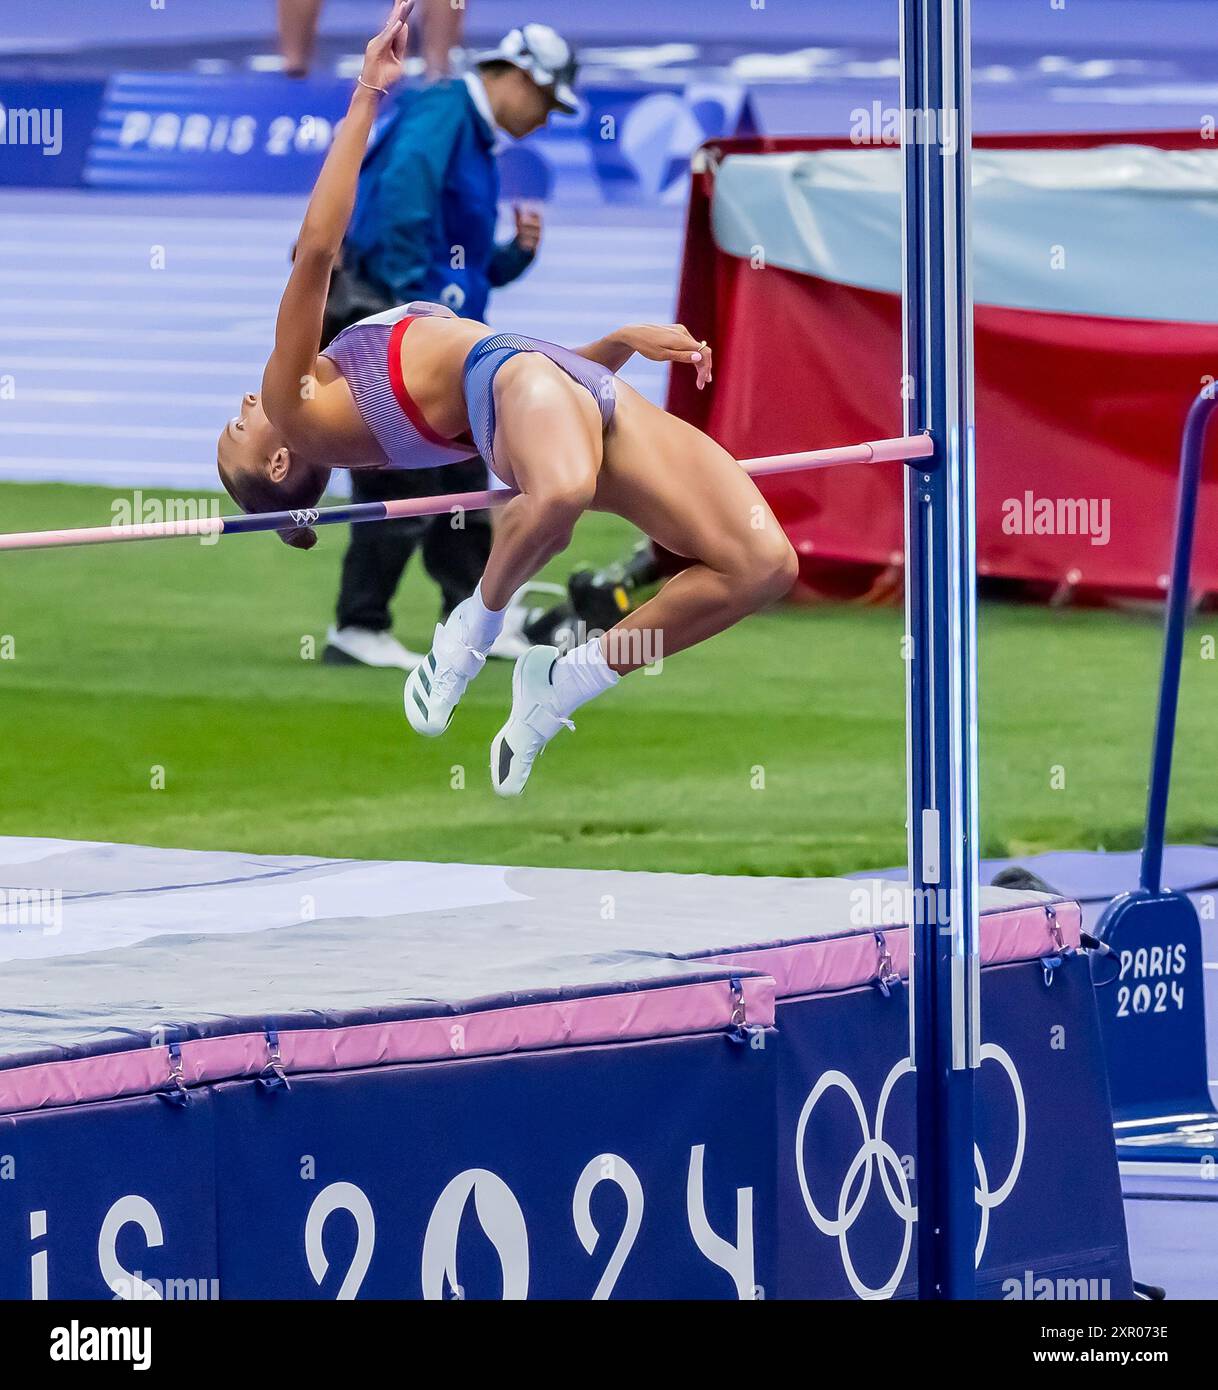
point(532, 723)
point(360, 646)
point(435, 686)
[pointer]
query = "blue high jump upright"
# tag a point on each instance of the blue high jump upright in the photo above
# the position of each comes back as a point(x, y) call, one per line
point(1153, 1014)
point(940, 550)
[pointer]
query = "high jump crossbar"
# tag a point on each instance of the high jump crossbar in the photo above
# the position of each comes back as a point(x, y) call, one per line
point(904, 449)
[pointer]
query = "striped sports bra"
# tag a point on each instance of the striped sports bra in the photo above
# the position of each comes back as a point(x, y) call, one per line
point(369, 355)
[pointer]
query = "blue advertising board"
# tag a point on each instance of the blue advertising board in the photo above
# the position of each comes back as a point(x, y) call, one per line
point(172, 132)
point(46, 129)
point(846, 1176)
point(774, 1166)
point(179, 133)
point(632, 1171)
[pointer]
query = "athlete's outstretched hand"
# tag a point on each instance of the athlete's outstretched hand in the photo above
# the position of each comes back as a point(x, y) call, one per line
point(671, 342)
point(384, 55)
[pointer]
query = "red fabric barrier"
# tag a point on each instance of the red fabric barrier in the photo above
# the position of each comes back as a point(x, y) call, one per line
point(1068, 407)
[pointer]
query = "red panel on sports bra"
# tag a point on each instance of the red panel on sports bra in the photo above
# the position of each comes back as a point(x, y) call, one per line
point(403, 397)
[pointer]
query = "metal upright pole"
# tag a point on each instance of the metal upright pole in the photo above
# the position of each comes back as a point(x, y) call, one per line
point(1192, 453)
point(940, 550)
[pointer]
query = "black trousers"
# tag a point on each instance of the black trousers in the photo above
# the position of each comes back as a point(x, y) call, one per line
point(379, 551)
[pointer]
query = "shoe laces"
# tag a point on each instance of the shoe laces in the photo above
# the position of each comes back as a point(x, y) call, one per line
point(449, 681)
point(456, 665)
point(446, 682)
point(532, 751)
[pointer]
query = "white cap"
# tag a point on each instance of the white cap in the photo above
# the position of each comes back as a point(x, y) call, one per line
point(545, 55)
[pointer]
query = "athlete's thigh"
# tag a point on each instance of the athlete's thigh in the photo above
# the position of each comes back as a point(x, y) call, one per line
point(679, 486)
point(547, 427)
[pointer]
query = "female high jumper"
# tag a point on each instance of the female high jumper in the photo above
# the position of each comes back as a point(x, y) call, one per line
point(416, 387)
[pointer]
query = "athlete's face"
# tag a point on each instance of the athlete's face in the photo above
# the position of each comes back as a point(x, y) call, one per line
point(251, 452)
point(250, 445)
point(262, 475)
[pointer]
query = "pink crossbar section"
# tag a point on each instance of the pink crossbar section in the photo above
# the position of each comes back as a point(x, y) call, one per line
point(845, 962)
point(628, 1016)
point(106, 535)
point(918, 446)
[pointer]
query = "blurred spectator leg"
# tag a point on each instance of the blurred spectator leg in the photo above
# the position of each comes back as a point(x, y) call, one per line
point(456, 556)
point(377, 554)
point(298, 34)
point(443, 26)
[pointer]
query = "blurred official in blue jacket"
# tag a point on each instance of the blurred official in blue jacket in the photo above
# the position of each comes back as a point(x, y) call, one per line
point(424, 228)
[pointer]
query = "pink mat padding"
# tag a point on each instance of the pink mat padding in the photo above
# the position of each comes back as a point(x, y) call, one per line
point(628, 1016)
point(845, 962)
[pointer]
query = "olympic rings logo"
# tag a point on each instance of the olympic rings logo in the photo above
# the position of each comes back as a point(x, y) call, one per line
point(876, 1156)
point(306, 517)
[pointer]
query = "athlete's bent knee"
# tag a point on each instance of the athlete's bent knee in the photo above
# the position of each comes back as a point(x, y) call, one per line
point(561, 502)
point(772, 572)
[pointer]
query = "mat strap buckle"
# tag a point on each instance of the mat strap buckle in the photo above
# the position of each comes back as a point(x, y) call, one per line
point(174, 1091)
point(1061, 950)
point(886, 976)
point(273, 1077)
point(739, 1029)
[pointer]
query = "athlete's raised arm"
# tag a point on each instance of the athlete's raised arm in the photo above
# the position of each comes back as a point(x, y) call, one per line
point(659, 342)
point(298, 327)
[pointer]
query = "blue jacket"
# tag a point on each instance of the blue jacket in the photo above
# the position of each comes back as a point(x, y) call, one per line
point(425, 213)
